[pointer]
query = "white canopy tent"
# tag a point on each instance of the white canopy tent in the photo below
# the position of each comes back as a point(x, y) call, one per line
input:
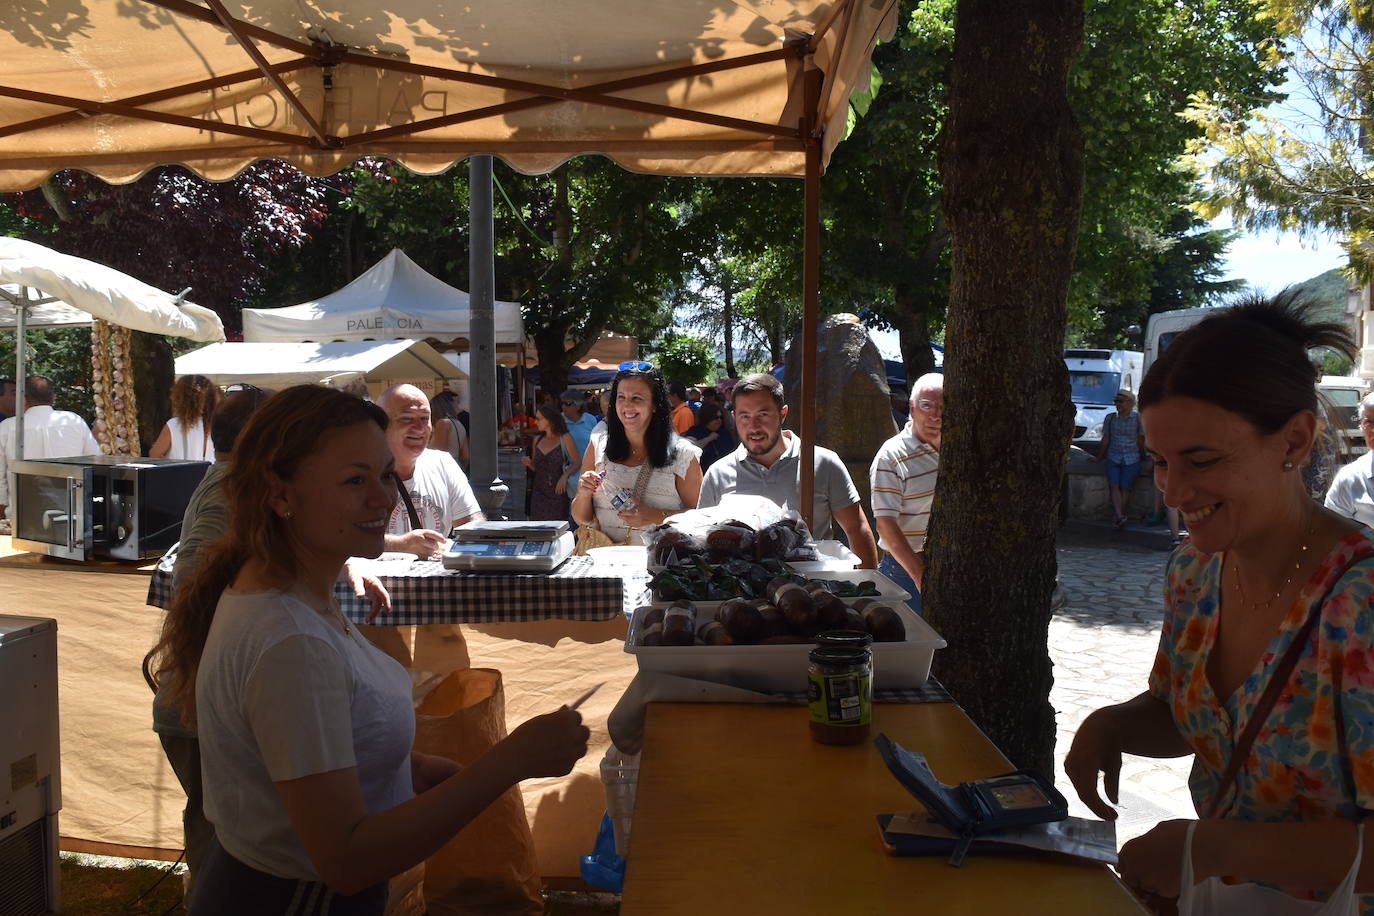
point(394, 298)
point(64, 290)
point(280, 365)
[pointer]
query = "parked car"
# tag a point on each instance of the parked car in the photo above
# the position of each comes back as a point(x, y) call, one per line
point(1342, 396)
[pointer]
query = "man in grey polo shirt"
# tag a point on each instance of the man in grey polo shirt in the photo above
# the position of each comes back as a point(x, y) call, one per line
point(768, 463)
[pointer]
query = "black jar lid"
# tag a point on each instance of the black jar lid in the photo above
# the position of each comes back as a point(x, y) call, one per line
point(853, 639)
point(840, 655)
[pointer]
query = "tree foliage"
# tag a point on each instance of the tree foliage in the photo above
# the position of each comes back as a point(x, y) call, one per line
point(1303, 166)
point(684, 358)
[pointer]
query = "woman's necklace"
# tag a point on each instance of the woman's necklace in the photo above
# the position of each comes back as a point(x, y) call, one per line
point(1287, 581)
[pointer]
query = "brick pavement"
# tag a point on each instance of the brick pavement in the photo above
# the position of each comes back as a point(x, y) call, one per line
point(1102, 642)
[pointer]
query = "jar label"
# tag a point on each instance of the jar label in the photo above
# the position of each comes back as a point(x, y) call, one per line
point(840, 699)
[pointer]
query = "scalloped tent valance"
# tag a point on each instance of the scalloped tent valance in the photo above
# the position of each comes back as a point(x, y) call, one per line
point(676, 87)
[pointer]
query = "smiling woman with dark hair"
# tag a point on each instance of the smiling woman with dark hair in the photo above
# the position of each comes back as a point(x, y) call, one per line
point(1264, 669)
point(639, 472)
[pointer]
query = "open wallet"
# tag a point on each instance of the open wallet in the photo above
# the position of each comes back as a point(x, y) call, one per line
point(974, 809)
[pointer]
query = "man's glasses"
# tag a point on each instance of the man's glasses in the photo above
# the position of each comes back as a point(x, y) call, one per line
point(241, 386)
point(569, 403)
point(636, 365)
point(926, 405)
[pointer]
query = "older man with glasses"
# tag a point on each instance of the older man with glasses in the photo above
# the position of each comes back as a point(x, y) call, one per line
point(1352, 491)
point(902, 483)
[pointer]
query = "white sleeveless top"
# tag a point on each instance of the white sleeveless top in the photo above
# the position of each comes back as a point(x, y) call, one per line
point(190, 442)
point(661, 492)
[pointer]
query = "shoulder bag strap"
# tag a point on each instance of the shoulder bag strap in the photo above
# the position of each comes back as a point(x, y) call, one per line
point(410, 505)
point(1277, 681)
point(646, 471)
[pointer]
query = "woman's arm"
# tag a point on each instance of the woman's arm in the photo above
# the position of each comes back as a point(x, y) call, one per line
point(163, 445)
point(352, 850)
point(440, 438)
point(689, 486)
point(1143, 726)
point(1312, 854)
point(582, 510)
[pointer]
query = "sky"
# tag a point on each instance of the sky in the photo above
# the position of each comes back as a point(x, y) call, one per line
point(1269, 261)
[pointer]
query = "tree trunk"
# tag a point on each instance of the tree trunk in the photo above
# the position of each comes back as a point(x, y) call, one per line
point(1012, 162)
point(554, 360)
point(913, 329)
point(154, 371)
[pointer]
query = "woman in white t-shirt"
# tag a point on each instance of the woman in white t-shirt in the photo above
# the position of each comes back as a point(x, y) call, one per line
point(639, 472)
point(305, 727)
point(187, 433)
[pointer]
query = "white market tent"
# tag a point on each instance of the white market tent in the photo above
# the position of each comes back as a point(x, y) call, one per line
point(43, 312)
point(394, 298)
point(280, 365)
point(97, 291)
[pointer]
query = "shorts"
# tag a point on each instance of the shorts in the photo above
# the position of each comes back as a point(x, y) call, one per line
point(1122, 475)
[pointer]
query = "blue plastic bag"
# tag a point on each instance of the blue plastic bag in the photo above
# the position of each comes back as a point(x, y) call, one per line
point(603, 868)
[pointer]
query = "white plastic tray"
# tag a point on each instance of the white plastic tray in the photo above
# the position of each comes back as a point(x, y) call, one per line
point(783, 668)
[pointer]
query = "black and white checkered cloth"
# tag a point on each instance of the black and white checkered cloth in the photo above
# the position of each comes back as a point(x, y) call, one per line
point(425, 592)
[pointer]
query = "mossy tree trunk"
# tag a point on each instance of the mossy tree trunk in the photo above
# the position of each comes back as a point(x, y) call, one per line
point(1012, 162)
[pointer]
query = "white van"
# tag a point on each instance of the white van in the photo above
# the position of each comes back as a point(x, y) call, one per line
point(1343, 395)
point(1095, 376)
point(1163, 327)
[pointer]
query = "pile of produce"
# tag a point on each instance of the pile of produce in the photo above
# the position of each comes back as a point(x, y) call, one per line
point(675, 542)
point(700, 580)
point(788, 612)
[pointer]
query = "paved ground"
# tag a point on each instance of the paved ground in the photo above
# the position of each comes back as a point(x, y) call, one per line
point(1103, 643)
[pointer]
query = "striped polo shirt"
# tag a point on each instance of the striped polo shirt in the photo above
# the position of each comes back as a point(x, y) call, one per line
point(902, 480)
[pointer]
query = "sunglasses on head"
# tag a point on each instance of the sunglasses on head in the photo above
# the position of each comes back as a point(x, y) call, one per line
point(241, 386)
point(636, 366)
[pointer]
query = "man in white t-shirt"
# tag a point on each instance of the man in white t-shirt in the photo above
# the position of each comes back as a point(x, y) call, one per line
point(435, 494)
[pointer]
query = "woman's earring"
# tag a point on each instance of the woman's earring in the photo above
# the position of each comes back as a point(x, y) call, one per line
point(287, 514)
point(1287, 466)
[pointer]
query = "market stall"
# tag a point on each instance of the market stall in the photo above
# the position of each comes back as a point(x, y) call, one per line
point(280, 365)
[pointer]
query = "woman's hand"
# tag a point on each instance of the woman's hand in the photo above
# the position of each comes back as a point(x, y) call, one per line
point(1153, 862)
point(366, 585)
point(527, 462)
point(1096, 749)
point(561, 487)
point(428, 770)
point(547, 745)
point(588, 483)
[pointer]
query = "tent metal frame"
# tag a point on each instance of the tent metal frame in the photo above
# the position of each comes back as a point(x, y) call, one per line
point(804, 136)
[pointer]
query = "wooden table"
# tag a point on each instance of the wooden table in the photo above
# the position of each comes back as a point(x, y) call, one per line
point(739, 811)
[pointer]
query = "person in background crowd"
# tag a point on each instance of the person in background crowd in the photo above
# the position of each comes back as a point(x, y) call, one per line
point(450, 435)
point(187, 433)
point(649, 472)
point(447, 404)
point(552, 464)
point(435, 493)
point(306, 729)
point(591, 404)
point(1270, 586)
point(1352, 492)
point(710, 435)
point(768, 463)
point(580, 423)
point(694, 398)
point(7, 392)
point(1123, 447)
point(902, 482)
point(901, 406)
point(683, 418)
point(604, 402)
point(716, 397)
point(48, 433)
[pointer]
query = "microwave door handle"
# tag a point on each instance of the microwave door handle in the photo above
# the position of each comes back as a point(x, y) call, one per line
point(72, 485)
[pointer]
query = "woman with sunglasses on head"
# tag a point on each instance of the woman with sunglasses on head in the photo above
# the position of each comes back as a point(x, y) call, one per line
point(639, 472)
point(310, 780)
point(1265, 668)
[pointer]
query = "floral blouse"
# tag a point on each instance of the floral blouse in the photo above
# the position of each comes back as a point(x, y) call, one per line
point(1294, 771)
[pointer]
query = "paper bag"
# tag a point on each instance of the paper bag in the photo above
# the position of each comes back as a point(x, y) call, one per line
point(490, 866)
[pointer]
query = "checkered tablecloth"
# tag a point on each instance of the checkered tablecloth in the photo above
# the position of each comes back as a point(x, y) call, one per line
point(425, 592)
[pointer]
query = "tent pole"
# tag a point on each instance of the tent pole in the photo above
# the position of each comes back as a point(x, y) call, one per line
point(811, 280)
point(21, 372)
point(486, 485)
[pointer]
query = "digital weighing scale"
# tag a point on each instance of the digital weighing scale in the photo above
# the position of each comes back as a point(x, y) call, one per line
point(509, 546)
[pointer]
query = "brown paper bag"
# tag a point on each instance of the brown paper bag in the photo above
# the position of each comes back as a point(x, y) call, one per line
point(489, 867)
